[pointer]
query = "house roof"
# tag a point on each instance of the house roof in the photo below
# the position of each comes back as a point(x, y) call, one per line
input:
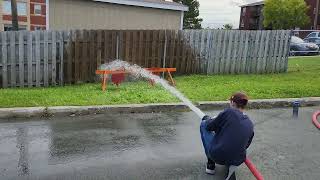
point(253, 4)
point(157, 4)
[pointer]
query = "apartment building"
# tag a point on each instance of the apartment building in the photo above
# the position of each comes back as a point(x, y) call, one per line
point(31, 15)
point(251, 16)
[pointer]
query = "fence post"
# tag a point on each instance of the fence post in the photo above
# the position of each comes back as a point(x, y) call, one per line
point(12, 40)
point(61, 49)
point(4, 60)
point(290, 33)
point(117, 47)
point(46, 59)
point(53, 58)
point(21, 59)
point(37, 57)
point(164, 51)
point(30, 52)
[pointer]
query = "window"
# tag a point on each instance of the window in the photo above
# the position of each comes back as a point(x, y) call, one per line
point(312, 40)
point(242, 23)
point(37, 28)
point(312, 35)
point(7, 7)
point(37, 9)
point(8, 27)
point(244, 11)
point(21, 8)
point(295, 39)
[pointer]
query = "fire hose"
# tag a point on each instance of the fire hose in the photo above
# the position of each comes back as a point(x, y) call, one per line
point(315, 119)
point(253, 169)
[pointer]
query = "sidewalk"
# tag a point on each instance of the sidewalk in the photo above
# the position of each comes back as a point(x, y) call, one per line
point(27, 112)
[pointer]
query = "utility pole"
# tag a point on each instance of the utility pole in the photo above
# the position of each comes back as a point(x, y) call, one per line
point(317, 14)
point(14, 15)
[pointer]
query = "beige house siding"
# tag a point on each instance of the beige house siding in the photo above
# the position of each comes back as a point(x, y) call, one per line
point(84, 14)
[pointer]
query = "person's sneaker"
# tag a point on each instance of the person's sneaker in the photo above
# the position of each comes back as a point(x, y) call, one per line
point(211, 166)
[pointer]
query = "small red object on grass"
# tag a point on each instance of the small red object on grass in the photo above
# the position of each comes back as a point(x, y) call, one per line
point(117, 79)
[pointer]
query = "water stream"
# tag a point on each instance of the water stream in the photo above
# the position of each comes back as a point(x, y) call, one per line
point(139, 72)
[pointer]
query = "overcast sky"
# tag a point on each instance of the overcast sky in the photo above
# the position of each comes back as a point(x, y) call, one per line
point(216, 13)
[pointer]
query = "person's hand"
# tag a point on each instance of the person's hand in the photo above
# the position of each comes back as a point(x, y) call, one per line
point(206, 117)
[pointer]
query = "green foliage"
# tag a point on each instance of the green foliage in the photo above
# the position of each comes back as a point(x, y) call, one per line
point(228, 26)
point(285, 14)
point(191, 18)
point(302, 80)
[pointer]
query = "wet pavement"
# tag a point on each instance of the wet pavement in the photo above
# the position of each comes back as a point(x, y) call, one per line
point(152, 146)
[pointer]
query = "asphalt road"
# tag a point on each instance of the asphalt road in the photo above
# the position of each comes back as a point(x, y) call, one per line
point(152, 146)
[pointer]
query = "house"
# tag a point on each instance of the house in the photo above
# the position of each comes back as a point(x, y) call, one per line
point(94, 14)
point(251, 16)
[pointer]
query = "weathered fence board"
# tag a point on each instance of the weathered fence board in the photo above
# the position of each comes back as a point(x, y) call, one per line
point(286, 51)
point(217, 53)
point(30, 58)
point(54, 56)
point(4, 60)
point(61, 58)
point(21, 59)
point(37, 58)
point(12, 63)
point(44, 58)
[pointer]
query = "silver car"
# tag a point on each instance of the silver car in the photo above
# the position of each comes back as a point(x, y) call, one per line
point(298, 47)
point(313, 37)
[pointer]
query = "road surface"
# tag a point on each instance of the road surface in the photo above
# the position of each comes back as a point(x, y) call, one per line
point(152, 146)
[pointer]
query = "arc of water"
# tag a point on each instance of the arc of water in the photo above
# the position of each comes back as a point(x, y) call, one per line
point(138, 71)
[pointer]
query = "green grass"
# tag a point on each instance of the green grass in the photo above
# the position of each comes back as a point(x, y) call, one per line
point(302, 80)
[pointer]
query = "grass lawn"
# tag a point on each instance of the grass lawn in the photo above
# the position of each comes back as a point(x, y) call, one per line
point(302, 80)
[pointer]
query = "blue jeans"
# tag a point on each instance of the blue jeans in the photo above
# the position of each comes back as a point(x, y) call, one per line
point(206, 137)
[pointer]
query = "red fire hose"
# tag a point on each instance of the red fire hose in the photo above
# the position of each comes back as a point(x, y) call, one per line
point(315, 119)
point(253, 169)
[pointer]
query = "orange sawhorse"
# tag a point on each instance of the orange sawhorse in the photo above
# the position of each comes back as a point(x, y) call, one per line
point(155, 71)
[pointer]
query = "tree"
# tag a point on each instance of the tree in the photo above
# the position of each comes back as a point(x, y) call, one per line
point(191, 18)
point(285, 14)
point(228, 26)
point(14, 15)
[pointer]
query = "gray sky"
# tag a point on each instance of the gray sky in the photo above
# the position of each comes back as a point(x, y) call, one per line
point(216, 13)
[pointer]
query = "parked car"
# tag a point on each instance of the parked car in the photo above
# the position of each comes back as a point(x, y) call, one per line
point(298, 47)
point(313, 37)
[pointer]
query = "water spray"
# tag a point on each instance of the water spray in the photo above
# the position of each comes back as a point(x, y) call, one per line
point(137, 72)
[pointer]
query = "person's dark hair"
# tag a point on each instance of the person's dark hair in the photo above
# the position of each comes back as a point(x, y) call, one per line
point(240, 99)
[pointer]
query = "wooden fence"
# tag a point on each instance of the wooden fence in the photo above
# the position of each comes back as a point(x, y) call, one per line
point(31, 59)
point(44, 58)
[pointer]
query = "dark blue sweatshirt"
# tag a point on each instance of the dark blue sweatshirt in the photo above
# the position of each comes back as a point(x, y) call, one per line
point(233, 135)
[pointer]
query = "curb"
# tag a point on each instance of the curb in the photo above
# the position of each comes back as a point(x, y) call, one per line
point(45, 112)
point(264, 103)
